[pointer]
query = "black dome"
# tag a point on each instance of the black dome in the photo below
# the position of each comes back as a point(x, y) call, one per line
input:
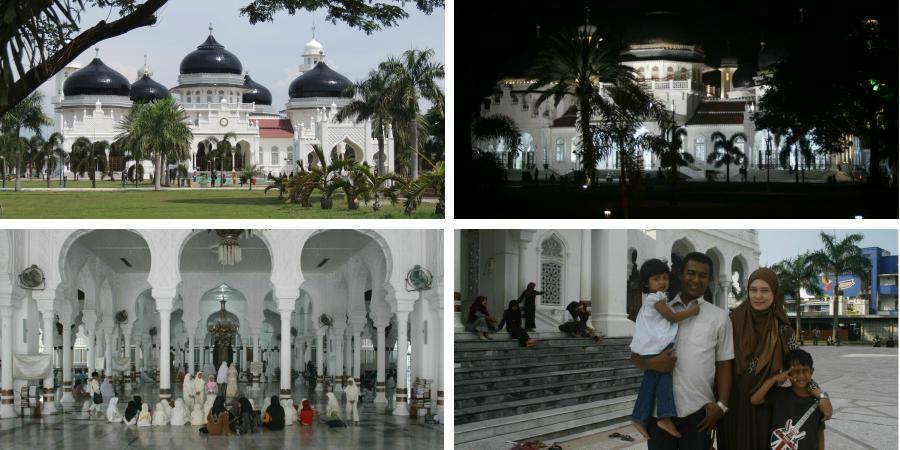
point(258, 93)
point(147, 90)
point(96, 79)
point(211, 57)
point(320, 81)
point(661, 27)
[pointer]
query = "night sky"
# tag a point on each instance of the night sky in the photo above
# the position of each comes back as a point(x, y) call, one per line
point(498, 38)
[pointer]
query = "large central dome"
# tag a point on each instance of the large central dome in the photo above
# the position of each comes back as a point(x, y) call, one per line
point(320, 81)
point(211, 57)
point(96, 79)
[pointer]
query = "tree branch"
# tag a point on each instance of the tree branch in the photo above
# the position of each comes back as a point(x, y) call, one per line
point(144, 15)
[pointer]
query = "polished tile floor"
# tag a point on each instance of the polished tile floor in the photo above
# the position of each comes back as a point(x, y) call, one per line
point(73, 431)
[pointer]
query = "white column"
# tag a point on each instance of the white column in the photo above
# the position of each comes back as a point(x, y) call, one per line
point(338, 347)
point(107, 349)
point(609, 296)
point(400, 406)
point(192, 344)
point(98, 350)
point(285, 352)
point(256, 357)
point(348, 355)
point(91, 344)
point(165, 384)
point(49, 406)
point(68, 401)
point(300, 347)
point(146, 352)
point(523, 279)
point(357, 349)
point(585, 291)
point(320, 379)
point(439, 338)
point(380, 398)
point(126, 332)
point(7, 397)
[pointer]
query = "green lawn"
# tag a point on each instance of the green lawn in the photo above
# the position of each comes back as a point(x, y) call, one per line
point(184, 204)
point(81, 183)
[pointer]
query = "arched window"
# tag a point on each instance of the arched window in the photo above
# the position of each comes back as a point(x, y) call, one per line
point(275, 161)
point(552, 264)
point(260, 158)
point(188, 98)
point(670, 73)
point(684, 73)
point(560, 149)
point(209, 99)
point(700, 148)
point(290, 154)
point(654, 73)
point(739, 144)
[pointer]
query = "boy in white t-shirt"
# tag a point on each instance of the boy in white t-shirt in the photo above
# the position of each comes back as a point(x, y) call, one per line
point(654, 331)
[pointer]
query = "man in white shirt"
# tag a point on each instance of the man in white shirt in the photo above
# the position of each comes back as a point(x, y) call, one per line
point(705, 351)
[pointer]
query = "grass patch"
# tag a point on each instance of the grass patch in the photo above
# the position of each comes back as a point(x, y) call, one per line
point(185, 204)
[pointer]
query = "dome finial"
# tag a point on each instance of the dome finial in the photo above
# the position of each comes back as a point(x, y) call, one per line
point(314, 29)
point(210, 28)
point(96, 52)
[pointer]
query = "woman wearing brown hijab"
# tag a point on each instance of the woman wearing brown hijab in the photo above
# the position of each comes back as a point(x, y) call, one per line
point(480, 320)
point(762, 336)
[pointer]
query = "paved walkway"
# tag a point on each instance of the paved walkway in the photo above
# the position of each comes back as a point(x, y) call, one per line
point(862, 383)
point(74, 431)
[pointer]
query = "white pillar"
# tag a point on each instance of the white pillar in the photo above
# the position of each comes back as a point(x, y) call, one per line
point(68, 401)
point(91, 344)
point(285, 351)
point(523, 279)
point(357, 349)
point(400, 407)
point(165, 383)
point(380, 398)
point(585, 291)
point(348, 355)
point(107, 349)
point(146, 352)
point(7, 397)
point(126, 332)
point(338, 346)
point(320, 378)
point(49, 406)
point(300, 347)
point(609, 296)
point(192, 343)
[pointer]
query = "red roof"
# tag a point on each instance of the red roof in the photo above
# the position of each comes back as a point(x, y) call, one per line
point(275, 128)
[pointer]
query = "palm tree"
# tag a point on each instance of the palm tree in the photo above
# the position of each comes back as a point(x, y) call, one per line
point(494, 128)
point(795, 274)
point(840, 257)
point(33, 153)
point(161, 130)
point(371, 102)
point(27, 114)
point(571, 65)
point(797, 142)
point(415, 189)
point(10, 146)
point(46, 158)
point(249, 172)
point(725, 152)
point(412, 76)
point(667, 148)
point(79, 159)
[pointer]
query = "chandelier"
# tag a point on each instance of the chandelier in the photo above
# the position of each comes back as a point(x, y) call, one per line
point(229, 248)
point(223, 327)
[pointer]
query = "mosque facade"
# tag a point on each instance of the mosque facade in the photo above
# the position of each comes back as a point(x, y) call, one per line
point(219, 97)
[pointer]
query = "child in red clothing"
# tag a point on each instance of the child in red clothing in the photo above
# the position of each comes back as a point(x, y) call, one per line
point(307, 414)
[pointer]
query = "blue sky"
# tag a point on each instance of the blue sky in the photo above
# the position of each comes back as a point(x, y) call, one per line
point(777, 245)
point(271, 51)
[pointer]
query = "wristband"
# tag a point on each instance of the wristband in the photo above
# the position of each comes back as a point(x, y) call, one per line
point(722, 407)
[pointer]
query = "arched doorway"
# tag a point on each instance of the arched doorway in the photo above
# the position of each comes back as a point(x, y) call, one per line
point(200, 159)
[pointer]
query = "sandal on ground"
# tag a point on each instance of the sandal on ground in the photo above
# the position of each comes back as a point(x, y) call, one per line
point(627, 438)
point(615, 435)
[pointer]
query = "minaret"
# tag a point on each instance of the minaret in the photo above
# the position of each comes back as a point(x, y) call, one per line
point(144, 70)
point(313, 52)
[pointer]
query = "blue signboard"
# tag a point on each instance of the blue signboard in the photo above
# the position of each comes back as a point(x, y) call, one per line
point(850, 285)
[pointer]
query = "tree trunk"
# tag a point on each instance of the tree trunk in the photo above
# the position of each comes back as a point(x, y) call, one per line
point(18, 162)
point(874, 152)
point(623, 183)
point(588, 161)
point(837, 303)
point(796, 165)
point(414, 156)
point(158, 161)
point(799, 330)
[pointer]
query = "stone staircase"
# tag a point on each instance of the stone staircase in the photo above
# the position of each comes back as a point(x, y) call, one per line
point(562, 388)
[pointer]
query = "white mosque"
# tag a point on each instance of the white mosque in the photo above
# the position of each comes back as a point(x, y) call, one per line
point(219, 97)
point(669, 62)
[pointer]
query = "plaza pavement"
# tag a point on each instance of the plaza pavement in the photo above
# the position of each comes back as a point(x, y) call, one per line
point(862, 383)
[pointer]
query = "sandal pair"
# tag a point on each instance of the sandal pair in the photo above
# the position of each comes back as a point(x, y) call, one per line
point(623, 437)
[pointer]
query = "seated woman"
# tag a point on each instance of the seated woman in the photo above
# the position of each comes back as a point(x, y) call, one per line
point(512, 317)
point(131, 412)
point(144, 419)
point(480, 320)
point(218, 420)
point(248, 419)
point(578, 327)
point(197, 415)
point(274, 416)
point(307, 413)
point(112, 412)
